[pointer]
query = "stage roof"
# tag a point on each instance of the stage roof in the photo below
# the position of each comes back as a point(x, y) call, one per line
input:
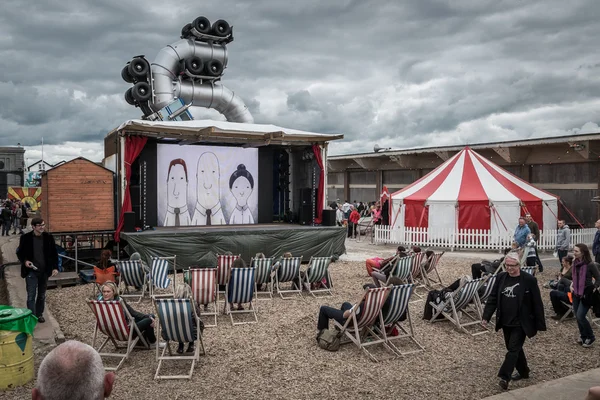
point(202, 131)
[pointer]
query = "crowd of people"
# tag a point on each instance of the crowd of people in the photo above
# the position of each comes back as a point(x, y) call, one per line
point(13, 214)
point(350, 214)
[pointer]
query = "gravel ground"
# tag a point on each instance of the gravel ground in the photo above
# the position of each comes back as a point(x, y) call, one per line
point(279, 358)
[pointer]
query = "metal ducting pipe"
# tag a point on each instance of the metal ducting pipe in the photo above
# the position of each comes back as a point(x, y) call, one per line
point(214, 96)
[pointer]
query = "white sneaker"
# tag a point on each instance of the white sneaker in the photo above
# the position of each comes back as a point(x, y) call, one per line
point(159, 343)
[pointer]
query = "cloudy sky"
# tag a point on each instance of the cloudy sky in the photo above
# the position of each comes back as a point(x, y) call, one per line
point(397, 73)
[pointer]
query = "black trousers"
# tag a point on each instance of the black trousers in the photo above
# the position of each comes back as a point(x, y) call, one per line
point(597, 258)
point(514, 338)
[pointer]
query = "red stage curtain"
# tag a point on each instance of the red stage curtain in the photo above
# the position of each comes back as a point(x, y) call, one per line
point(133, 148)
point(321, 192)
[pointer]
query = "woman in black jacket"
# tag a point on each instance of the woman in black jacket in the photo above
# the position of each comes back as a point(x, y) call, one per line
point(583, 288)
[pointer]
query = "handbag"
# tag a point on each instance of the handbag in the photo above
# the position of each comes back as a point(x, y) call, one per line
point(329, 339)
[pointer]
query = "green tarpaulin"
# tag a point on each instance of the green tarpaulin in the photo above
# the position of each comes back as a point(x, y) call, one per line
point(17, 319)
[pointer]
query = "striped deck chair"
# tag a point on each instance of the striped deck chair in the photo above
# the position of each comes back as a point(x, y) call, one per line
point(416, 275)
point(114, 321)
point(430, 274)
point(177, 317)
point(359, 330)
point(133, 274)
point(224, 263)
point(393, 310)
point(288, 271)
point(489, 283)
point(529, 270)
point(263, 275)
point(159, 275)
point(403, 269)
point(317, 270)
point(241, 290)
point(204, 290)
point(456, 304)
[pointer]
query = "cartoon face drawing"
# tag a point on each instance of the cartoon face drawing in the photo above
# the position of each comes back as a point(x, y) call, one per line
point(241, 190)
point(241, 185)
point(177, 186)
point(208, 180)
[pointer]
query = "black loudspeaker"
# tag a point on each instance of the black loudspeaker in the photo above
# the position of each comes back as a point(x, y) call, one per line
point(129, 222)
point(306, 196)
point(328, 218)
point(305, 214)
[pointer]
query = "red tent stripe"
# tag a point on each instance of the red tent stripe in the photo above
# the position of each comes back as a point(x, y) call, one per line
point(426, 191)
point(471, 188)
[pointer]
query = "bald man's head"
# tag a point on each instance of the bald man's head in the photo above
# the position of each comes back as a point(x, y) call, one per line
point(74, 371)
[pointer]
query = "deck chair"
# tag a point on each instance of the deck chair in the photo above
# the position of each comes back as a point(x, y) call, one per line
point(177, 317)
point(114, 321)
point(456, 304)
point(489, 283)
point(241, 289)
point(224, 263)
point(403, 269)
point(430, 274)
point(288, 271)
point(393, 309)
point(529, 270)
point(359, 330)
point(318, 269)
point(204, 290)
point(133, 274)
point(416, 275)
point(263, 276)
point(159, 276)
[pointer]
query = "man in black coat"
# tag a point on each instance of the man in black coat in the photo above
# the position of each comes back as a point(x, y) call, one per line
point(39, 260)
point(519, 312)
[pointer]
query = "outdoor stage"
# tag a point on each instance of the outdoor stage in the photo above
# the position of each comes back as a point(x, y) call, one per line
point(199, 245)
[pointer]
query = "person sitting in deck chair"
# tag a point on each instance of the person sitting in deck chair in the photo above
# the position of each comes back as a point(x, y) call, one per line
point(185, 292)
point(379, 263)
point(340, 315)
point(238, 263)
point(487, 266)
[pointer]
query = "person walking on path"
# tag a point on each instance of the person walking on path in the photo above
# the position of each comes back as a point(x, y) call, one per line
point(517, 301)
point(39, 260)
point(583, 287)
point(596, 244)
point(521, 232)
point(563, 239)
point(535, 230)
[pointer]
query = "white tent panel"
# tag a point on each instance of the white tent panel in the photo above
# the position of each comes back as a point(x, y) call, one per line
point(550, 208)
point(493, 189)
point(505, 217)
point(442, 218)
point(450, 188)
point(398, 214)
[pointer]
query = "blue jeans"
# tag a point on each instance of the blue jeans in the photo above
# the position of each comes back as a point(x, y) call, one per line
point(36, 285)
point(326, 313)
point(581, 310)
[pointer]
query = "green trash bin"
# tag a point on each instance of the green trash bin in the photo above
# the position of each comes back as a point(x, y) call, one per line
point(16, 346)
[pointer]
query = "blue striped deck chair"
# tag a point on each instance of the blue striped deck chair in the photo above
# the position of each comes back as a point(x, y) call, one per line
point(288, 270)
point(177, 318)
point(263, 276)
point(430, 273)
point(317, 270)
point(241, 290)
point(114, 321)
point(359, 329)
point(456, 304)
point(159, 275)
point(529, 270)
point(402, 269)
point(394, 308)
point(133, 274)
point(488, 286)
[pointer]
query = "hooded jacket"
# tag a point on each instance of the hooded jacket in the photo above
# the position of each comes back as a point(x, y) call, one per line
point(563, 238)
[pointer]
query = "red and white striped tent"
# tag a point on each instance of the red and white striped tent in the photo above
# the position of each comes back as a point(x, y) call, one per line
point(470, 192)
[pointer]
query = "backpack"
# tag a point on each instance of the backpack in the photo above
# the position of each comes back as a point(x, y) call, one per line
point(329, 339)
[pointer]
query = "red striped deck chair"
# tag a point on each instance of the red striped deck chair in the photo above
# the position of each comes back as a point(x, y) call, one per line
point(416, 275)
point(177, 318)
point(114, 321)
point(316, 272)
point(288, 270)
point(430, 273)
point(359, 329)
point(241, 289)
point(204, 290)
point(394, 308)
point(224, 262)
point(454, 308)
point(133, 274)
point(159, 276)
point(263, 276)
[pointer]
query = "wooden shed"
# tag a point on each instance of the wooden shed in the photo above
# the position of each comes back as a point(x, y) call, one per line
point(78, 196)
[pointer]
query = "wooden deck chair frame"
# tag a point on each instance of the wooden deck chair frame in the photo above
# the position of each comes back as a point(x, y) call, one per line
point(570, 314)
point(398, 300)
point(119, 330)
point(241, 289)
point(157, 269)
point(291, 270)
point(264, 275)
point(224, 263)
point(204, 290)
point(132, 273)
point(175, 328)
point(457, 302)
point(360, 330)
point(315, 272)
point(432, 281)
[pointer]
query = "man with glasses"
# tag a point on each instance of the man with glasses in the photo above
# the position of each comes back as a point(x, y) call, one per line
point(39, 260)
point(519, 311)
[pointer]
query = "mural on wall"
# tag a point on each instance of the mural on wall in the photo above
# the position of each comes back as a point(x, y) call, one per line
point(33, 179)
point(223, 189)
point(32, 196)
